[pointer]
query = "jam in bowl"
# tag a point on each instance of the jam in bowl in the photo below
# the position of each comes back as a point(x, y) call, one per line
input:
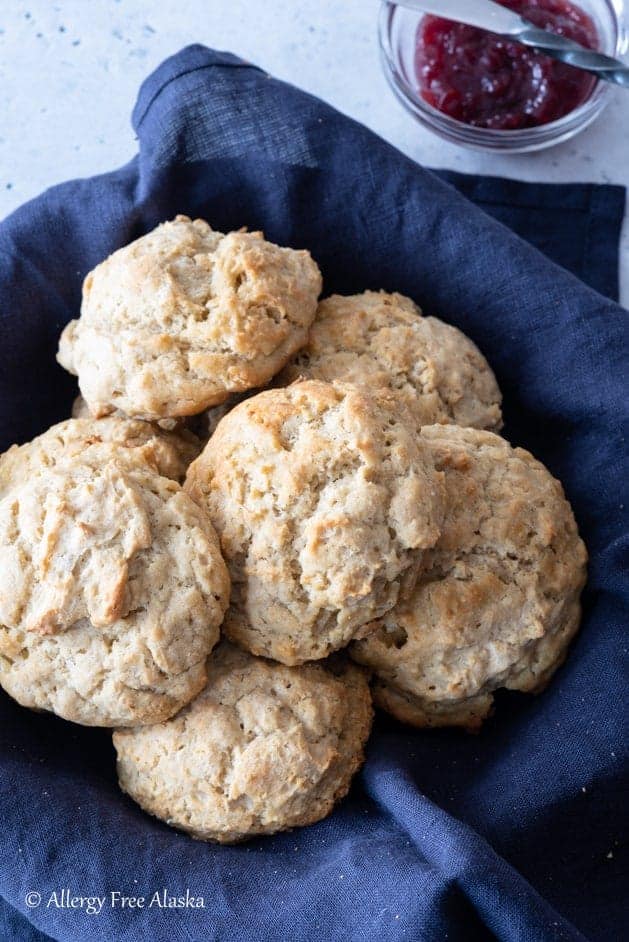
point(486, 91)
point(492, 82)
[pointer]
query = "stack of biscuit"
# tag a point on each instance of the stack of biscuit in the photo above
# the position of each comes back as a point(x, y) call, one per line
point(228, 576)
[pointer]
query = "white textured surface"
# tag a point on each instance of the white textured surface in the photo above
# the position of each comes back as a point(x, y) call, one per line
point(70, 70)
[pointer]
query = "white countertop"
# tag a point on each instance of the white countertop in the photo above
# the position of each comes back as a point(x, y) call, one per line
point(70, 71)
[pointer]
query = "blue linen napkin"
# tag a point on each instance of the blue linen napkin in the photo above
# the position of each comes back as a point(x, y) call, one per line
point(577, 226)
point(518, 833)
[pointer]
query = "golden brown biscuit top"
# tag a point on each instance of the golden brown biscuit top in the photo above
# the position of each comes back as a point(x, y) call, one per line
point(130, 441)
point(101, 542)
point(182, 317)
point(381, 340)
point(499, 598)
point(112, 585)
point(263, 747)
point(323, 499)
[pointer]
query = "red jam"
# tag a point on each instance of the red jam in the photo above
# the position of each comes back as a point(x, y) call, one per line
point(489, 82)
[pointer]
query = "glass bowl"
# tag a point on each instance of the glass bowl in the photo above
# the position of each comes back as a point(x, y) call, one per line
point(397, 31)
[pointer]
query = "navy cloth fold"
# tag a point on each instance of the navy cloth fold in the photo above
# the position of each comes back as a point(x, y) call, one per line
point(576, 225)
point(519, 833)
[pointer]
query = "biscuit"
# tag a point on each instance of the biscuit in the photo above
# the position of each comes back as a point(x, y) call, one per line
point(182, 317)
point(132, 441)
point(325, 503)
point(264, 748)
point(382, 340)
point(499, 600)
point(176, 444)
point(112, 587)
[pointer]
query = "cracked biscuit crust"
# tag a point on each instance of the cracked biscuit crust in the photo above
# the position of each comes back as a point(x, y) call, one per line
point(182, 317)
point(498, 602)
point(325, 503)
point(112, 589)
point(175, 445)
point(382, 340)
point(130, 441)
point(264, 748)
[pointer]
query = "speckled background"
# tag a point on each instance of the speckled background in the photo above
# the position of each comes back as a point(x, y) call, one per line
point(69, 73)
